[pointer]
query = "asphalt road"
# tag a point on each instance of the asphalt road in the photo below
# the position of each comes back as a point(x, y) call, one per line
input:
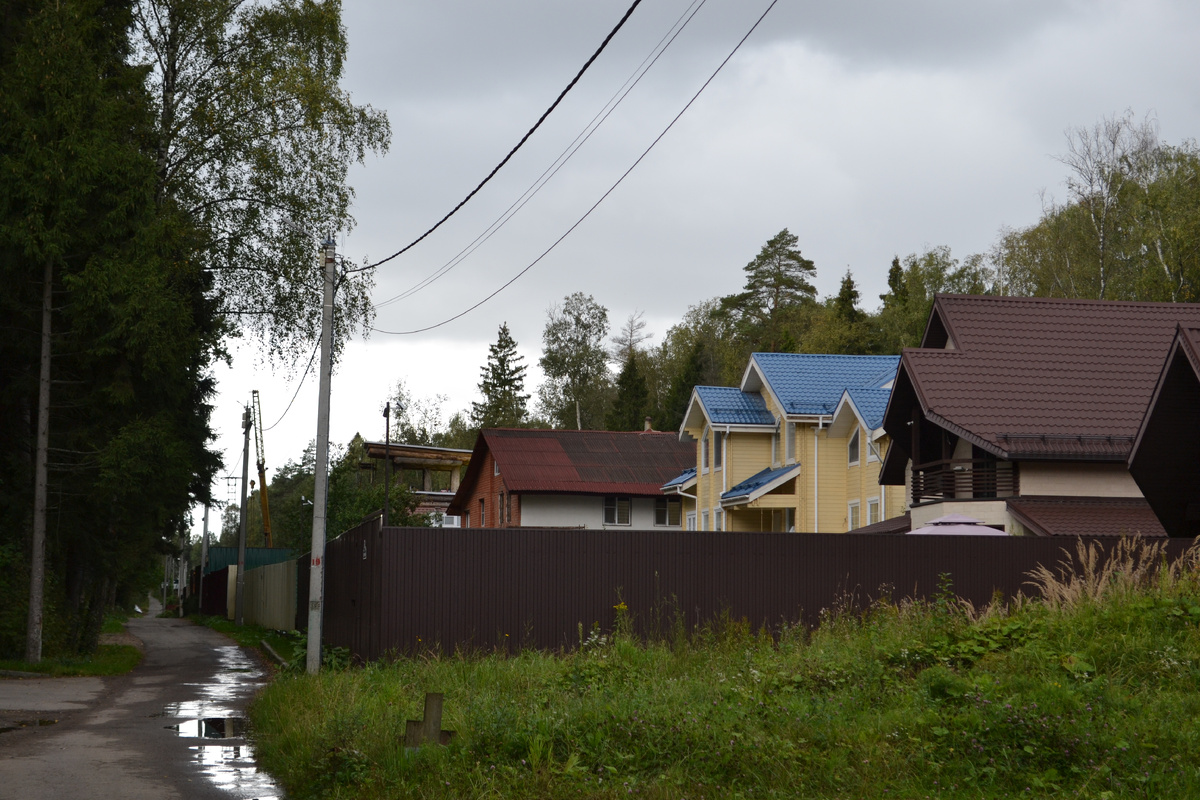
point(172, 728)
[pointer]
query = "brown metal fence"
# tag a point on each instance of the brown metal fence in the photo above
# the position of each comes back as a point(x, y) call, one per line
point(405, 590)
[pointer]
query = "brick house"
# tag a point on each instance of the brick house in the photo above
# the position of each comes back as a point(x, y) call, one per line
point(534, 478)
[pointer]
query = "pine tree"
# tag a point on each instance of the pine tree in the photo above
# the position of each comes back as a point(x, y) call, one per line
point(628, 412)
point(502, 384)
point(777, 282)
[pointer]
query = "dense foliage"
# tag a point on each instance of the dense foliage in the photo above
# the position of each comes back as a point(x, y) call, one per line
point(1093, 694)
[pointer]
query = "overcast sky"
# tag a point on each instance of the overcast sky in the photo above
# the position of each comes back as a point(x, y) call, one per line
point(869, 129)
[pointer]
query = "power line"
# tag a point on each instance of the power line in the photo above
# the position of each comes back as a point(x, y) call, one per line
point(601, 116)
point(588, 213)
point(299, 386)
point(512, 152)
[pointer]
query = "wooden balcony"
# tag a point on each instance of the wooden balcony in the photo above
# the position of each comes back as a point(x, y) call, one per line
point(964, 479)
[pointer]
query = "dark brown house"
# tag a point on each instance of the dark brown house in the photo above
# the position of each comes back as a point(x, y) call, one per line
point(1022, 412)
point(520, 477)
point(1165, 459)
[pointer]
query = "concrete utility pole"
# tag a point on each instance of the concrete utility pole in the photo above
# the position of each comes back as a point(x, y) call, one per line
point(241, 569)
point(183, 546)
point(203, 562)
point(316, 576)
point(387, 465)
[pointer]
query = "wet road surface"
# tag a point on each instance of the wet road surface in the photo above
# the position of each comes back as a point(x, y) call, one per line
point(172, 728)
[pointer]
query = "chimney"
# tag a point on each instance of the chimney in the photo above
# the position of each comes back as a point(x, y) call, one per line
point(648, 426)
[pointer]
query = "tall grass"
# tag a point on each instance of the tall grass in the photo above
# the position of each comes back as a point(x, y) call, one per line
point(1092, 693)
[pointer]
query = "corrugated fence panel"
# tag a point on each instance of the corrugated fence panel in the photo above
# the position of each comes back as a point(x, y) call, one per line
point(270, 596)
point(409, 590)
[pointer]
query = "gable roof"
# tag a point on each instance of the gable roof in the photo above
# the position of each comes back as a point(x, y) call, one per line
point(812, 383)
point(865, 406)
point(535, 461)
point(1085, 516)
point(681, 482)
point(725, 405)
point(1028, 377)
point(1163, 460)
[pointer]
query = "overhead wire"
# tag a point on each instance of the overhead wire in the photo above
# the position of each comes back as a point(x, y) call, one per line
point(511, 153)
point(571, 149)
point(595, 205)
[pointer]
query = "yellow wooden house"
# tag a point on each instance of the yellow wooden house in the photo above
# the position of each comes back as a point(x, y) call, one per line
point(796, 447)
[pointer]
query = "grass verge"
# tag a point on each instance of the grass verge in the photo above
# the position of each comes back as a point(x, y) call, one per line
point(1094, 694)
point(109, 659)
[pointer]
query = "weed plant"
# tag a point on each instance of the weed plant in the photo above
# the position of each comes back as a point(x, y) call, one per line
point(1091, 693)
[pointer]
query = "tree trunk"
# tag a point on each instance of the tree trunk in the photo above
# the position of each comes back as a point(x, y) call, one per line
point(37, 569)
point(578, 419)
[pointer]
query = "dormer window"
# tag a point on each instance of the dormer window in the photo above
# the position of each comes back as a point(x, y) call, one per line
point(853, 449)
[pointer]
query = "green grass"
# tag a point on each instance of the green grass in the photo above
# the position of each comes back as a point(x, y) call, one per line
point(1098, 699)
point(109, 659)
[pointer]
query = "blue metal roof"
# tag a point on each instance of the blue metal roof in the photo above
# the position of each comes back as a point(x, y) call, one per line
point(871, 403)
point(728, 405)
point(757, 481)
point(808, 383)
point(679, 480)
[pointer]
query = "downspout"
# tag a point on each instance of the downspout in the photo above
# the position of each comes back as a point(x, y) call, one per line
point(816, 476)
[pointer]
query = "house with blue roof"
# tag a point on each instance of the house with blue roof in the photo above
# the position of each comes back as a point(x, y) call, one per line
point(796, 447)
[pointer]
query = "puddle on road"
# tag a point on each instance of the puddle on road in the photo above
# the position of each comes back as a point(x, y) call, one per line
point(232, 768)
point(216, 714)
point(212, 728)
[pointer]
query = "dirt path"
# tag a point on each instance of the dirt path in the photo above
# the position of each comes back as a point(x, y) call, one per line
point(173, 728)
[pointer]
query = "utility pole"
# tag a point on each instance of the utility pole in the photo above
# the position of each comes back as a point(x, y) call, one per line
point(41, 468)
point(203, 561)
point(387, 467)
point(241, 569)
point(184, 540)
point(316, 576)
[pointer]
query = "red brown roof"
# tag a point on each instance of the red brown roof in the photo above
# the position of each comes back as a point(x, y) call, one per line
point(1085, 516)
point(582, 462)
point(1038, 377)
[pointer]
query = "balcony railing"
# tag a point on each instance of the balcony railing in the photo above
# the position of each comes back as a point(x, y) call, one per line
point(963, 479)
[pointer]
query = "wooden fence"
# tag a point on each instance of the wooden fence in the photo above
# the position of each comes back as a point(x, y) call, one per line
point(405, 590)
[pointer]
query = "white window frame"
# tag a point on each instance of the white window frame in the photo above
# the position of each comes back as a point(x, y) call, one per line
point(495, 467)
point(853, 515)
point(703, 520)
point(789, 442)
point(719, 519)
point(854, 458)
point(690, 522)
point(667, 505)
point(874, 510)
point(615, 506)
point(718, 450)
point(704, 451)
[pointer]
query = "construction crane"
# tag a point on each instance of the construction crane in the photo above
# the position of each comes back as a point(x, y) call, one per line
point(260, 452)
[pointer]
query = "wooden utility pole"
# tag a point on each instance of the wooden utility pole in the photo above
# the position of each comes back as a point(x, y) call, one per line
point(37, 568)
point(316, 575)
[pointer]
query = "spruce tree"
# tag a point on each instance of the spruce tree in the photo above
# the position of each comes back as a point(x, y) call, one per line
point(628, 412)
point(680, 393)
point(502, 384)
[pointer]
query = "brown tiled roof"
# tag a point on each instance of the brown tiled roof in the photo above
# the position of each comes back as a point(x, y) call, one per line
point(1085, 516)
point(1041, 377)
point(585, 462)
point(900, 524)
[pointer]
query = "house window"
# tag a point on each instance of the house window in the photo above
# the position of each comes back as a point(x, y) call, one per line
point(466, 519)
point(482, 517)
point(508, 503)
point(703, 520)
point(691, 520)
point(873, 511)
point(852, 516)
point(718, 449)
point(852, 449)
point(704, 451)
point(789, 520)
point(616, 510)
point(495, 467)
point(500, 509)
point(789, 445)
point(668, 511)
point(719, 519)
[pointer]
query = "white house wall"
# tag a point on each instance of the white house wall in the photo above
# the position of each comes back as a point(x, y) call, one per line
point(580, 511)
